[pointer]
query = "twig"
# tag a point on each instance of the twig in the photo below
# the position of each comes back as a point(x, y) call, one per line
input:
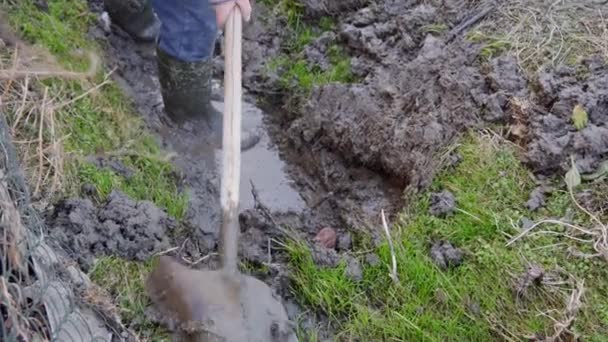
point(470, 22)
point(393, 271)
point(198, 261)
point(522, 234)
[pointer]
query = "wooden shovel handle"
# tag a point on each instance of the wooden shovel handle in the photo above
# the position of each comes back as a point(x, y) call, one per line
point(231, 168)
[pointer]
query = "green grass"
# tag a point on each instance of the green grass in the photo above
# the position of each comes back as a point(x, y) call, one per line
point(296, 73)
point(103, 122)
point(301, 75)
point(491, 188)
point(125, 282)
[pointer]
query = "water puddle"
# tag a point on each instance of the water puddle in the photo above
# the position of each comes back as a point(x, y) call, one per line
point(262, 166)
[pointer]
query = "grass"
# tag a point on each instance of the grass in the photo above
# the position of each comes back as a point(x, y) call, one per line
point(301, 75)
point(547, 32)
point(103, 122)
point(296, 73)
point(125, 282)
point(491, 188)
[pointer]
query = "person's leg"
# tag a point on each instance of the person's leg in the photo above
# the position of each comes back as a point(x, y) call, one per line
point(135, 17)
point(184, 54)
point(185, 63)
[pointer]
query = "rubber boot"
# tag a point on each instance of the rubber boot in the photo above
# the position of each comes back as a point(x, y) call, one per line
point(136, 17)
point(186, 92)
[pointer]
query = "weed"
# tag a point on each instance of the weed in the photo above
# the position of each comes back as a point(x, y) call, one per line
point(125, 282)
point(436, 29)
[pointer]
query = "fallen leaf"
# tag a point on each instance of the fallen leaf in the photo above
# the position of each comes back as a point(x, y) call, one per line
point(579, 117)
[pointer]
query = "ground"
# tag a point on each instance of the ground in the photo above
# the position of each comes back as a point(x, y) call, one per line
point(477, 130)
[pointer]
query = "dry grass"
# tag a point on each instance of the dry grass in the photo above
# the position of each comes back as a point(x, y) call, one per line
point(31, 114)
point(550, 32)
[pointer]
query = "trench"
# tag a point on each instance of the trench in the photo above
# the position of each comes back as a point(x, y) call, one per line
point(307, 186)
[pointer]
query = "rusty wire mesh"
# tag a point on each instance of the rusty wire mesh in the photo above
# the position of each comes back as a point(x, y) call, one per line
point(41, 291)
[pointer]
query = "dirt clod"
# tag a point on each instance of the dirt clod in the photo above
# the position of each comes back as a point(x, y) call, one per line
point(353, 269)
point(345, 242)
point(445, 255)
point(324, 256)
point(121, 226)
point(442, 203)
point(112, 164)
point(372, 259)
point(88, 189)
point(326, 238)
point(537, 199)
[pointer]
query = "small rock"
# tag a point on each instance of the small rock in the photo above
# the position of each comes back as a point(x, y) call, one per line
point(324, 256)
point(474, 307)
point(526, 223)
point(353, 269)
point(442, 203)
point(445, 255)
point(326, 238)
point(372, 259)
point(345, 242)
point(537, 199)
point(88, 189)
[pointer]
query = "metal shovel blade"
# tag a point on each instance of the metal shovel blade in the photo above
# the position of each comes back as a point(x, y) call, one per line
point(214, 306)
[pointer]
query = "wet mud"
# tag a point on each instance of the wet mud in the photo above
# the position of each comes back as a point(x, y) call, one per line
point(121, 226)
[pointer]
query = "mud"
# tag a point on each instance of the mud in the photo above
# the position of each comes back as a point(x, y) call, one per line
point(112, 164)
point(122, 227)
point(442, 203)
point(445, 255)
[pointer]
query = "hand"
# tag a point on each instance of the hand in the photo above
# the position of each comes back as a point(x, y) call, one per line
point(223, 8)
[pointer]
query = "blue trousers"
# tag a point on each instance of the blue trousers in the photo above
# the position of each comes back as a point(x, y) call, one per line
point(188, 28)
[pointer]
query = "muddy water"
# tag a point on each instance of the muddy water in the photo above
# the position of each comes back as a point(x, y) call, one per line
point(262, 166)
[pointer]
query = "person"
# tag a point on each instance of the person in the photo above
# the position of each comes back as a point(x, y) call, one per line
point(185, 32)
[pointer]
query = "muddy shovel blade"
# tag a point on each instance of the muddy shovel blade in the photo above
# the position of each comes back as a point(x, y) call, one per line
point(214, 306)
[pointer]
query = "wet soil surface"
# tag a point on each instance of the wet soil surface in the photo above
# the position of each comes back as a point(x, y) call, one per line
point(350, 150)
point(121, 226)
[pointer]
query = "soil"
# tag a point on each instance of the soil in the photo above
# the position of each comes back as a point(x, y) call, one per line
point(121, 226)
point(351, 150)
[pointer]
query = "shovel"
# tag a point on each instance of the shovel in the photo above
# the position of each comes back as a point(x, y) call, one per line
point(224, 304)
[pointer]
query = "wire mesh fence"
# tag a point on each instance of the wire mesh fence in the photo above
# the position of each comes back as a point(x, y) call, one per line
point(41, 290)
